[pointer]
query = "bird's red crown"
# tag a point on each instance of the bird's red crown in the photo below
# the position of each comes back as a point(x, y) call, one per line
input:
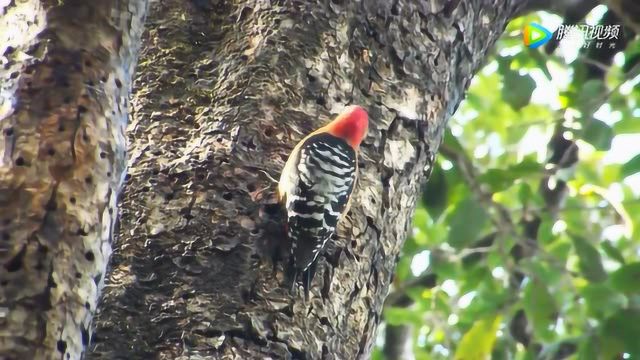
point(351, 125)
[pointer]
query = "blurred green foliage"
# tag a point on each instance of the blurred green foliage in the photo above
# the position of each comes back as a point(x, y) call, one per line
point(519, 274)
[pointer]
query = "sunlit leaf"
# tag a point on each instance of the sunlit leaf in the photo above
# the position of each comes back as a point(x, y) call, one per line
point(611, 174)
point(631, 167)
point(418, 237)
point(477, 343)
point(627, 126)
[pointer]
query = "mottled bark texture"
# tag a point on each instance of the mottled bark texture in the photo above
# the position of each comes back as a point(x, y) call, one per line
point(224, 91)
point(64, 83)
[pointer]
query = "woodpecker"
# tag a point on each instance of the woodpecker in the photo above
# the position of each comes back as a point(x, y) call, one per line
point(315, 188)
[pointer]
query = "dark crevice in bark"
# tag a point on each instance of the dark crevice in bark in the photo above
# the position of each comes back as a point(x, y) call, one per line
point(16, 262)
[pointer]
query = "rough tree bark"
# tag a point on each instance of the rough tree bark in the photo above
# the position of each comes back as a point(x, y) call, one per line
point(64, 87)
point(224, 91)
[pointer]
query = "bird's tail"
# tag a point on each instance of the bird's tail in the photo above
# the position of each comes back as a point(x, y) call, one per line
point(292, 274)
point(306, 276)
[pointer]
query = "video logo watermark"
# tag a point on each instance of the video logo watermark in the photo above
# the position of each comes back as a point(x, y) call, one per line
point(592, 35)
point(535, 35)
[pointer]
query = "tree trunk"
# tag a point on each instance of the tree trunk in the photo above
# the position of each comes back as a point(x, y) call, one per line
point(64, 90)
point(224, 91)
point(398, 342)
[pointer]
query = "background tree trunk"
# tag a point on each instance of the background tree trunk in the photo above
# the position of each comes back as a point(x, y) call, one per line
point(225, 89)
point(64, 87)
point(398, 342)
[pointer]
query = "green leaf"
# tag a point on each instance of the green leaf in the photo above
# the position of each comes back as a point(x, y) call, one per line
point(377, 354)
point(588, 95)
point(474, 277)
point(451, 141)
point(543, 271)
point(588, 349)
point(477, 343)
point(525, 194)
point(610, 174)
point(501, 349)
point(442, 301)
point(435, 193)
point(401, 315)
point(627, 278)
point(598, 134)
point(620, 334)
point(602, 300)
point(403, 269)
point(517, 89)
point(502, 179)
point(471, 259)
point(497, 179)
point(545, 231)
point(612, 251)
point(540, 308)
point(631, 167)
point(490, 297)
point(443, 266)
point(632, 58)
point(528, 166)
point(628, 125)
point(466, 222)
point(590, 263)
point(418, 237)
point(557, 349)
point(560, 249)
point(541, 61)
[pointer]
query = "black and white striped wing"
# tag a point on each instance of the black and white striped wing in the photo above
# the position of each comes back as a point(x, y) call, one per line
point(326, 171)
